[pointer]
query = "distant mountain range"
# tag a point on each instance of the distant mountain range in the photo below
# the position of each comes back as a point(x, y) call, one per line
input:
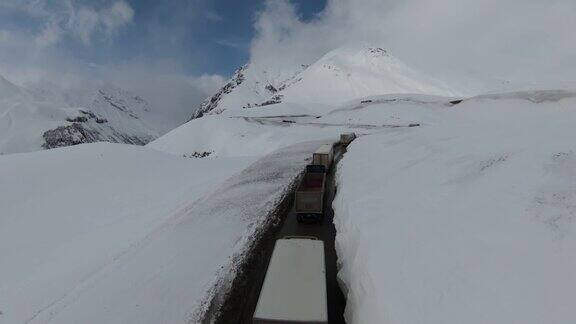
point(32, 118)
point(35, 118)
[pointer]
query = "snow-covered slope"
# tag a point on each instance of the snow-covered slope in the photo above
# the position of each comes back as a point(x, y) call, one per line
point(343, 74)
point(35, 119)
point(167, 276)
point(67, 215)
point(251, 85)
point(469, 218)
point(349, 73)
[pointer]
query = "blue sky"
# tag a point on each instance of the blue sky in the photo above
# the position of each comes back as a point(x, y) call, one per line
point(202, 36)
point(211, 36)
point(218, 39)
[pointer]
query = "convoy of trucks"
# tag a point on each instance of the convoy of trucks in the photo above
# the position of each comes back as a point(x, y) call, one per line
point(294, 289)
point(309, 197)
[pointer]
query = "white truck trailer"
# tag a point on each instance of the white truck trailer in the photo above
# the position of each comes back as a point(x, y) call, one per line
point(324, 156)
point(294, 289)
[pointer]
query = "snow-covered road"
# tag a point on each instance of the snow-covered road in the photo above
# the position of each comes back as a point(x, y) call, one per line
point(240, 305)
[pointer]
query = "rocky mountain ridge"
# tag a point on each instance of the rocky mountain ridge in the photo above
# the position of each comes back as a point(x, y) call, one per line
point(37, 118)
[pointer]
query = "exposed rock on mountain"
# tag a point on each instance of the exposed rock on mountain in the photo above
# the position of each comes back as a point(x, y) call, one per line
point(89, 128)
point(211, 103)
point(45, 118)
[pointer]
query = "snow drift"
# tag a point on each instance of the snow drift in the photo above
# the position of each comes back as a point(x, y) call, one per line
point(467, 219)
point(68, 214)
point(150, 238)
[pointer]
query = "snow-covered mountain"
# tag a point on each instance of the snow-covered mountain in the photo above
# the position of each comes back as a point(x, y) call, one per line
point(343, 74)
point(251, 86)
point(32, 119)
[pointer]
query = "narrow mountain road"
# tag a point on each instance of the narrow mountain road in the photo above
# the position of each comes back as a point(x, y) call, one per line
point(241, 303)
point(306, 121)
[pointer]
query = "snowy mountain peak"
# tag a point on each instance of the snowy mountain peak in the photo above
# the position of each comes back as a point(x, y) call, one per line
point(113, 115)
point(348, 73)
point(47, 117)
point(211, 103)
point(341, 75)
point(120, 99)
point(356, 52)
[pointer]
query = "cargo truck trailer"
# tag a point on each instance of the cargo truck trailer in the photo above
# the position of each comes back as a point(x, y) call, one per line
point(294, 289)
point(347, 138)
point(309, 197)
point(324, 156)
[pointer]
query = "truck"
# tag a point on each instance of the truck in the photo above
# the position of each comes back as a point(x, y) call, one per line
point(324, 156)
point(294, 289)
point(347, 138)
point(309, 197)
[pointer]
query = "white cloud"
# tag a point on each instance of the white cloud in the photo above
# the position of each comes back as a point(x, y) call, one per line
point(172, 94)
point(4, 35)
point(213, 16)
point(208, 83)
point(116, 16)
point(81, 20)
point(163, 85)
point(37, 56)
point(527, 41)
point(31, 56)
point(49, 35)
point(84, 23)
point(230, 43)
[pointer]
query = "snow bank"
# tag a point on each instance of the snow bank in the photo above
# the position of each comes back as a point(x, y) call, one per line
point(171, 275)
point(67, 214)
point(469, 220)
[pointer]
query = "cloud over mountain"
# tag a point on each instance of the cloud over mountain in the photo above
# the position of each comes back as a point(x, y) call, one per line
point(79, 44)
point(526, 42)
